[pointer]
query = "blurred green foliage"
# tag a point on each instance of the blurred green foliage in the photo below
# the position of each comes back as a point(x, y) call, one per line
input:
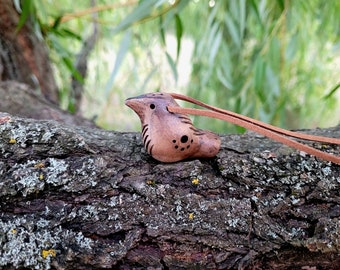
point(277, 61)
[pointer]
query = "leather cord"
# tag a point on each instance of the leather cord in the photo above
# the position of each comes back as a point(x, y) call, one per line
point(267, 130)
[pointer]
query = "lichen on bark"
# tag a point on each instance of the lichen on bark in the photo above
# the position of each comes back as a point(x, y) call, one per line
point(76, 197)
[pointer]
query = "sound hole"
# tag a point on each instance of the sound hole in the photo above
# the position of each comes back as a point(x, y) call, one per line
point(184, 143)
point(184, 139)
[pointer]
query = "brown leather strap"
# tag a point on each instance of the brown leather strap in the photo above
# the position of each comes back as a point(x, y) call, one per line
point(270, 131)
point(257, 122)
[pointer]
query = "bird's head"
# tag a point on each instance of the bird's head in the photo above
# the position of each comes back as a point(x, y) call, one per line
point(151, 105)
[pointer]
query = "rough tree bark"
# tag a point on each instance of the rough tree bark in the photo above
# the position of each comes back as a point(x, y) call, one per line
point(23, 56)
point(81, 198)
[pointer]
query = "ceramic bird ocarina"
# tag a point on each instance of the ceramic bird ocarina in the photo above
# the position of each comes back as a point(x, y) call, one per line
point(170, 137)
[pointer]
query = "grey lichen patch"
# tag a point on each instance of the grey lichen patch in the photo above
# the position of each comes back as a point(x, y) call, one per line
point(25, 242)
point(88, 212)
point(83, 175)
point(23, 178)
point(195, 215)
point(71, 175)
point(76, 174)
point(21, 133)
point(211, 216)
point(17, 135)
point(110, 215)
point(196, 172)
point(57, 172)
point(28, 178)
point(275, 172)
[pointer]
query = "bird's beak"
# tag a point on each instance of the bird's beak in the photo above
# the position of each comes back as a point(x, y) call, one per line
point(134, 100)
point(136, 104)
point(131, 102)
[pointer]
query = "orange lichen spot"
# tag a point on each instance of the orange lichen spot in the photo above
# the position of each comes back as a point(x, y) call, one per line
point(48, 252)
point(191, 216)
point(12, 140)
point(39, 165)
point(41, 176)
point(151, 182)
point(195, 181)
point(14, 231)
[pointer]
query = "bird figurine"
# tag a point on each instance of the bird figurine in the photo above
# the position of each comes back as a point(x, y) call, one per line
point(171, 137)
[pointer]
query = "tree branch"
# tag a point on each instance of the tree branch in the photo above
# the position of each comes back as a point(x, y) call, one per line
point(21, 100)
point(80, 198)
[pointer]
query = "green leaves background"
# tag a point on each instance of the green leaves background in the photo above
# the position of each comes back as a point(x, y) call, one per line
point(277, 61)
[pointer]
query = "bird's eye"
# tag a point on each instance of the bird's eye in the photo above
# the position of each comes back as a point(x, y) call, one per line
point(152, 106)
